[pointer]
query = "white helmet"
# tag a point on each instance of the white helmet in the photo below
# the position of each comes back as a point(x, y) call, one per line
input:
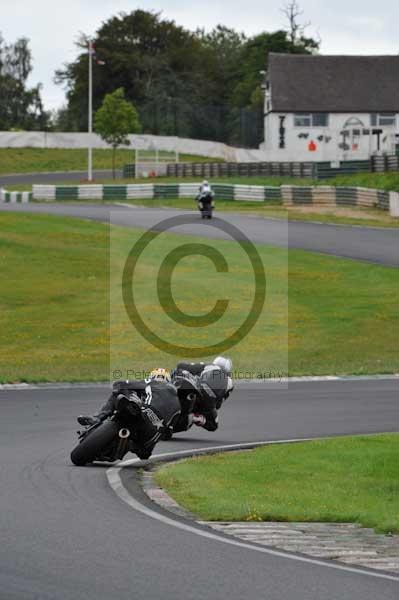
point(225, 364)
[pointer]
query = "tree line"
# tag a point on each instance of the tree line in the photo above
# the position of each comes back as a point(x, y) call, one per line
point(20, 106)
point(204, 85)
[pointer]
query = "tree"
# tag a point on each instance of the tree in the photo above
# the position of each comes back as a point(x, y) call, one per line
point(202, 85)
point(296, 30)
point(115, 120)
point(152, 58)
point(20, 107)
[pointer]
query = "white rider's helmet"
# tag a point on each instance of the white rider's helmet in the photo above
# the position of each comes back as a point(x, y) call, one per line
point(224, 363)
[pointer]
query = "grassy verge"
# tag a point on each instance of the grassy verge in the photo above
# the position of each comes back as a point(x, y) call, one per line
point(54, 306)
point(353, 480)
point(273, 209)
point(39, 160)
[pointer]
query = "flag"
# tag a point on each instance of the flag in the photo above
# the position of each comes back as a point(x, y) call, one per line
point(92, 51)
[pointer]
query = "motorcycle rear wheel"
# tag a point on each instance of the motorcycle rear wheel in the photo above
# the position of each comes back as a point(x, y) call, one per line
point(94, 444)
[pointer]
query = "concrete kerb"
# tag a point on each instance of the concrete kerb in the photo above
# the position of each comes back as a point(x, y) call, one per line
point(348, 543)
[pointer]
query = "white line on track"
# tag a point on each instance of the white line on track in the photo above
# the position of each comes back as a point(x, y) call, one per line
point(115, 481)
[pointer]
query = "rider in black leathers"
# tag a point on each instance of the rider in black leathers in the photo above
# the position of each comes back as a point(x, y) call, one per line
point(192, 396)
point(202, 388)
point(158, 406)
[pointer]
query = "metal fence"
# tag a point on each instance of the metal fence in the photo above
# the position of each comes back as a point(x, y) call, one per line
point(311, 170)
point(233, 169)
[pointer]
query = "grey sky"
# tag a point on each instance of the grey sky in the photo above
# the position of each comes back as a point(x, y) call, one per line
point(345, 26)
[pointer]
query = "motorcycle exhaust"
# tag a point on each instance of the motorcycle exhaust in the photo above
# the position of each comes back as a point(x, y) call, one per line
point(124, 433)
point(123, 444)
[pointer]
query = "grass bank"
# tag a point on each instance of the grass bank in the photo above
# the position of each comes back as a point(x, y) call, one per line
point(347, 480)
point(55, 305)
point(39, 160)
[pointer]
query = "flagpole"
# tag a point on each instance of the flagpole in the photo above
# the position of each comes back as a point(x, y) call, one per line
point(90, 119)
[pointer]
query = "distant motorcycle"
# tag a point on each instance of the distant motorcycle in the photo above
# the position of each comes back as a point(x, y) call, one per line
point(206, 204)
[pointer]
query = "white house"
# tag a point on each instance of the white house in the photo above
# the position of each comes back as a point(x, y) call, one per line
point(331, 108)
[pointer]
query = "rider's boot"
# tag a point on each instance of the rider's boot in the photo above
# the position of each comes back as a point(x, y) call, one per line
point(89, 421)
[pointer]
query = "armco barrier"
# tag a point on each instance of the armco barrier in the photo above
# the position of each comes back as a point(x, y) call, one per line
point(289, 195)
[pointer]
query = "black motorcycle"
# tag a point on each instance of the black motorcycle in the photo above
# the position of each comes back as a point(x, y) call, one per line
point(206, 205)
point(110, 440)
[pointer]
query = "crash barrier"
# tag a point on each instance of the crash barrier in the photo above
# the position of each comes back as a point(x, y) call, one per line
point(330, 196)
point(255, 193)
point(288, 195)
point(385, 163)
point(394, 204)
point(310, 170)
point(14, 197)
point(229, 169)
point(327, 170)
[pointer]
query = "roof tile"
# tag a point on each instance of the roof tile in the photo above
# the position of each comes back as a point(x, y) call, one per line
point(314, 83)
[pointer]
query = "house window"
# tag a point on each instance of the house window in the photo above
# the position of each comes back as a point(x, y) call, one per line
point(311, 120)
point(382, 119)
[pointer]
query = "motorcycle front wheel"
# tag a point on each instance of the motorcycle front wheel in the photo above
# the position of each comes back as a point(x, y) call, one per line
point(95, 443)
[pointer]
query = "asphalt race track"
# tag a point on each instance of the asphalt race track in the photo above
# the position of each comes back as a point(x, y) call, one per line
point(66, 535)
point(376, 245)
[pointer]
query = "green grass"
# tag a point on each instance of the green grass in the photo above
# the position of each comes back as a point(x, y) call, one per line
point(55, 318)
point(354, 480)
point(54, 299)
point(32, 160)
point(382, 181)
point(29, 160)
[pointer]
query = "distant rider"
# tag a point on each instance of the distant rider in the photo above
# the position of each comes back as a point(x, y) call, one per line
point(205, 192)
point(205, 188)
